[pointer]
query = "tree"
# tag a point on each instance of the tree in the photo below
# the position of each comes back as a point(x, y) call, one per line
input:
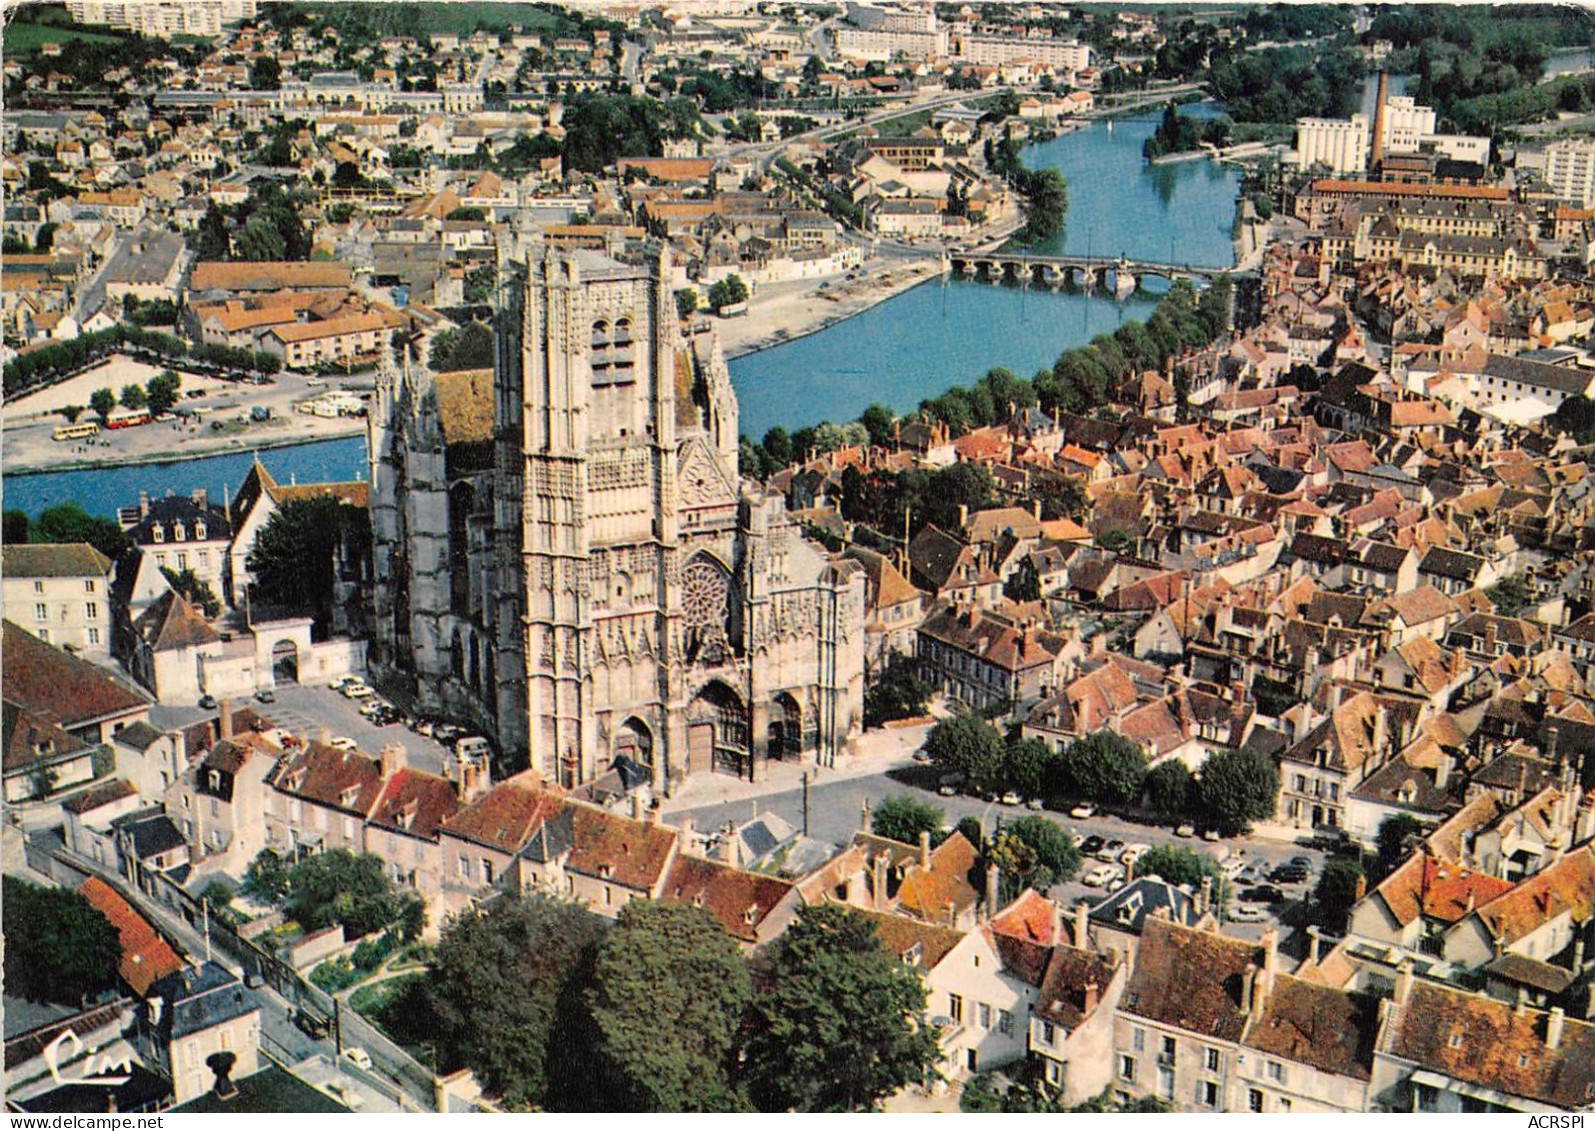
point(14, 531)
point(469, 347)
point(966, 744)
point(1106, 768)
point(1179, 866)
point(1338, 888)
point(1236, 788)
point(880, 422)
point(162, 391)
point(903, 818)
point(464, 212)
point(347, 175)
point(728, 292)
point(1394, 832)
point(896, 693)
point(686, 302)
point(1027, 766)
point(778, 445)
point(1168, 787)
point(502, 989)
point(133, 396)
point(265, 73)
point(668, 969)
point(1510, 594)
point(293, 557)
point(102, 401)
point(1053, 849)
point(340, 887)
point(71, 412)
point(59, 947)
point(68, 522)
point(192, 589)
point(260, 241)
point(841, 1025)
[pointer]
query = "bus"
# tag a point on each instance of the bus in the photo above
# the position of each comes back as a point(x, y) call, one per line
point(76, 431)
point(128, 418)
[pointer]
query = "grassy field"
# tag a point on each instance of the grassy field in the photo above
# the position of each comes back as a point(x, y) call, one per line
point(23, 38)
point(450, 18)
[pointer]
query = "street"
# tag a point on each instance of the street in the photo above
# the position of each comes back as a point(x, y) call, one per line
point(835, 808)
point(305, 709)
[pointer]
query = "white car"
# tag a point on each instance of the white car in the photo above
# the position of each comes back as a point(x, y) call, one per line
point(358, 1057)
point(342, 743)
point(358, 690)
point(1013, 797)
point(1102, 875)
point(1247, 913)
point(1133, 852)
point(1233, 867)
point(1081, 812)
point(373, 704)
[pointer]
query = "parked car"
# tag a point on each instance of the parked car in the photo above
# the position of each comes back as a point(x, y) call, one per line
point(1263, 893)
point(1289, 874)
point(358, 690)
point(338, 682)
point(1013, 797)
point(950, 784)
point(1091, 845)
point(1210, 835)
point(1102, 875)
point(1251, 874)
point(1110, 850)
point(342, 743)
point(1081, 812)
point(312, 1024)
point(1247, 913)
point(1185, 830)
point(358, 1057)
point(1233, 867)
point(208, 702)
point(1035, 804)
point(1132, 853)
point(921, 756)
point(266, 695)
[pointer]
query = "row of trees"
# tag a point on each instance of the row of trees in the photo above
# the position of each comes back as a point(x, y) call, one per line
point(1045, 192)
point(60, 359)
point(67, 522)
point(553, 1009)
point(1235, 787)
point(158, 395)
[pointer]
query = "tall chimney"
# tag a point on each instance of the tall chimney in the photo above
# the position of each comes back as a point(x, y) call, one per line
point(1553, 1028)
point(1093, 994)
point(1315, 940)
point(993, 875)
point(143, 504)
point(684, 833)
point(650, 815)
point(393, 758)
point(924, 848)
point(224, 719)
point(636, 806)
point(879, 865)
point(1404, 979)
point(1248, 978)
point(1055, 922)
point(1376, 152)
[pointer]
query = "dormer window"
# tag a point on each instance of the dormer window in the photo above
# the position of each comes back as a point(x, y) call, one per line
point(199, 531)
point(751, 915)
point(347, 797)
point(214, 779)
point(914, 955)
point(158, 532)
point(177, 532)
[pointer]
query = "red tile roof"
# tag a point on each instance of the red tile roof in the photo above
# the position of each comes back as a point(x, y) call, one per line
point(415, 802)
point(1191, 979)
point(631, 853)
point(328, 776)
point(506, 816)
point(42, 678)
point(739, 900)
point(146, 957)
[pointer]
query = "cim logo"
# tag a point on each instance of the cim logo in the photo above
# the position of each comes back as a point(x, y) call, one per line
point(89, 1072)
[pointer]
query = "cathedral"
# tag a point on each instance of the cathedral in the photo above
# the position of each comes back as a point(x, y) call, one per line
point(566, 556)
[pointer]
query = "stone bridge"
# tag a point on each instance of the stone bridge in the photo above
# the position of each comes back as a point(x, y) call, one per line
point(1086, 272)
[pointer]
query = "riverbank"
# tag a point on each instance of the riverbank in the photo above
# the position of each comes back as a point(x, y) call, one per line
point(225, 425)
point(785, 312)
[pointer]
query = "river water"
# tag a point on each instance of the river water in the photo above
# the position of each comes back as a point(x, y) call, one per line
point(906, 349)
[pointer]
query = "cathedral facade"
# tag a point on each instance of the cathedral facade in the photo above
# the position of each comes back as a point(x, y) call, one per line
point(596, 581)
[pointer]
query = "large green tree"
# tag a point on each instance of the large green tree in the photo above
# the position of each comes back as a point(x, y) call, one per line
point(1027, 766)
point(501, 989)
point(340, 887)
point(904, 818)
point(840, 1026)
point(294, 557)
point(1236, 788)
point(1168, 788)
point(896, 692)
point(1338, 889)
point(966, 744)
point(1393, 835)
point(469, 347)
point(58, 947)
point(1105, 767)
point(68, 522)
point(669, 991)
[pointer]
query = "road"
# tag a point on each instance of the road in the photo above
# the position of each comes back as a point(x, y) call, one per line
point(305, 709)
point(835, 810)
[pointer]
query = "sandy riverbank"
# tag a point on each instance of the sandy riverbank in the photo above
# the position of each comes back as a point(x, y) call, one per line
point(781, 312)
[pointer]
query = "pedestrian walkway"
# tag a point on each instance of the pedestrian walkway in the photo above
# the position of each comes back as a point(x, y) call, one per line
point(874, 752)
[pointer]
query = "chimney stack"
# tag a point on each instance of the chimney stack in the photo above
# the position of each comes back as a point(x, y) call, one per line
point(393, 758)
point(879, 866)
point(1314, 941)
point(684, 840)
point(1055, 922)
point(1270, 944)
point(200, 497)
point(224, 718)
point(1404, 980)
point(1082, 925)
point(993, 875)
point(1093, 994)
point(727, 848)
point(650, 815)
point(143, 504)
point(1553, 1028)
point(636, 806)
point(924, 848)
point(1248, 983)
point(1376, 153)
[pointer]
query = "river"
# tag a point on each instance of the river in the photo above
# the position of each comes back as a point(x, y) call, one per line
point(906, 349)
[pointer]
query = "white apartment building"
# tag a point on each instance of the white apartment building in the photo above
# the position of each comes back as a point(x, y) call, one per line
point(878, 33)
point(1339, 145)
point(61, 594)
point(998, 50)
point(1570, 171)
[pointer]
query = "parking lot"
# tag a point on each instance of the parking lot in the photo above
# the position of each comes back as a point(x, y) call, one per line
point(306, 708)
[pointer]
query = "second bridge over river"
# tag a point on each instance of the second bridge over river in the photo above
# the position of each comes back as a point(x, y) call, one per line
point(1119, 274)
